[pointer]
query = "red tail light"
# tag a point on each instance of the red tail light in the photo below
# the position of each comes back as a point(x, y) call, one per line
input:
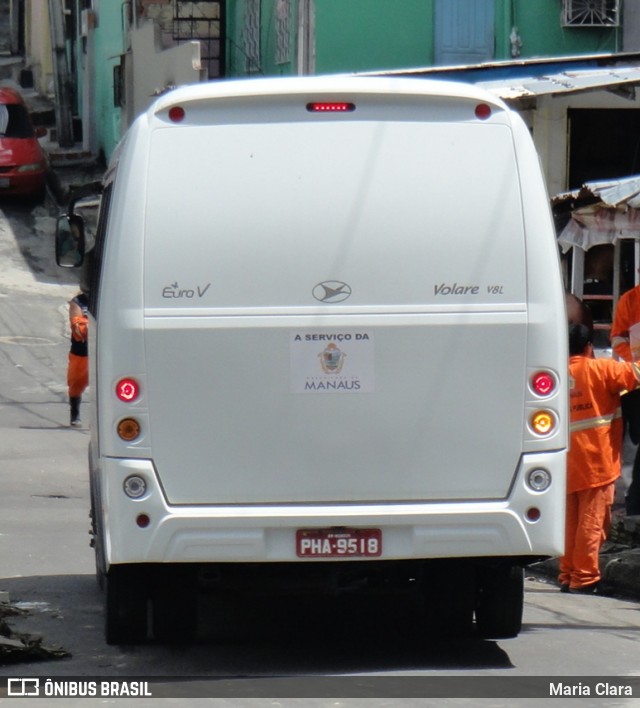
point(127, 390)
point(543, 383)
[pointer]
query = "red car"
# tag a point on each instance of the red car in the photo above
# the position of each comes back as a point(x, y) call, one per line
point(23, 162)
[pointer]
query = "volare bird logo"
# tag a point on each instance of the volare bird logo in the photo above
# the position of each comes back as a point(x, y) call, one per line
point(331, 291)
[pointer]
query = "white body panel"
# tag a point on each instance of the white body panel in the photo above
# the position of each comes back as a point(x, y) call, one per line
point(404, 406)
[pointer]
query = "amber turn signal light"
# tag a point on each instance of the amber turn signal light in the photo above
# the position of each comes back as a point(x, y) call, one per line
point(543, 422)
point(128, 429)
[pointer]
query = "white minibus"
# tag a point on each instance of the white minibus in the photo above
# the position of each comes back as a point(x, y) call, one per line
point(327, 346)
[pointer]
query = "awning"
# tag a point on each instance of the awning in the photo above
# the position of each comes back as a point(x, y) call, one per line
point(614, 213)
point(544, 76)
point(566, 82)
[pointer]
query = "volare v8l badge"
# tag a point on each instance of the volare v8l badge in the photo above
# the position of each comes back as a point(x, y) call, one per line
point(331, 291)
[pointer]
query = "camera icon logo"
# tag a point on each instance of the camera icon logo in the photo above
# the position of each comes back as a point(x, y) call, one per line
point(23, 687)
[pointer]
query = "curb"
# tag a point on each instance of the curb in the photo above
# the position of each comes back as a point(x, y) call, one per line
point(619, 563)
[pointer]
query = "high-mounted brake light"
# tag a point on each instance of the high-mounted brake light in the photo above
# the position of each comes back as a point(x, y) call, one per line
point(483, 111)
point(127, 390)
point(176, 114)
point(331, 107)
point(543, 383)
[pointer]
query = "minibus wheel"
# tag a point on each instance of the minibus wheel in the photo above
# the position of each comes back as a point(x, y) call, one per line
point(500, 601)
point(174, 603)
point(449, 595)
point(98, 545)
point(126, 599)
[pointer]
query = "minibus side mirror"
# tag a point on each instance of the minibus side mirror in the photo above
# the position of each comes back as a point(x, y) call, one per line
point(70, 246)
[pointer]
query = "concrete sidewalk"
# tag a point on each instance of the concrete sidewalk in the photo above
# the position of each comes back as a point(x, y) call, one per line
point(620, 555)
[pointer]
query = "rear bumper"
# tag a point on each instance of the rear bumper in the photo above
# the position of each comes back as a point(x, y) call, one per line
point(256, 534)
point(26, 184)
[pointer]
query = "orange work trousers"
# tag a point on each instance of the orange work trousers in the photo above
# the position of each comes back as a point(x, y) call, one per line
point(77, 375)
point(588, 521)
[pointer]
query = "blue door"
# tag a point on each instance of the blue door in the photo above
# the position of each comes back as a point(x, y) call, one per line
point(464, 31)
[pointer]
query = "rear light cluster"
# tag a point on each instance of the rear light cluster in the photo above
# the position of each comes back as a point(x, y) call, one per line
point(543, 421)
point(135, 486)
point(127, 390)
point(538, 480)
point(482, 111)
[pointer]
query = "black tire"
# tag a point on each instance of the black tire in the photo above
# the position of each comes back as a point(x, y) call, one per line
point(449, 594)
point(175, 604)
point(98, 548)
point(126, 600)
point(98, 544)
point(500, 602)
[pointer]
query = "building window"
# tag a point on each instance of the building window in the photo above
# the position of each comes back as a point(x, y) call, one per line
point(283, 31)
point(591, 13)
point(251, 38)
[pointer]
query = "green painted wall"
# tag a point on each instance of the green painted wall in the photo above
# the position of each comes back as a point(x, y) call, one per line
point(542, 34)
point(362, 35)
point(369, 35)
point(108, 46)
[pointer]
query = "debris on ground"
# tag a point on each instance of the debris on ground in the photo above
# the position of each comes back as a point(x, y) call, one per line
point(16, 647)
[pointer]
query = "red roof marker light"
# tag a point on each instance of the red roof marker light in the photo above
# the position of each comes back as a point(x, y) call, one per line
point(483, 111)
point(176, 114)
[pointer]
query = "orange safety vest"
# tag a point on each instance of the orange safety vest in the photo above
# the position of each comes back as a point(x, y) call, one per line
point(596, 419)
point(627, 314)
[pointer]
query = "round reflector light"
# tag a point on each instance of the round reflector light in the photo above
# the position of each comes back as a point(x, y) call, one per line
point(176, 114)
point(533, 514)
point(127, 390)
point(135, 486)
point(143, 521)
point(539, 479)
point(543, 383)
point(483, 111)
point(543, 422)
point(128, 429)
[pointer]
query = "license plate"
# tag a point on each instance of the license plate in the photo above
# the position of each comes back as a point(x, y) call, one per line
point(338, 543)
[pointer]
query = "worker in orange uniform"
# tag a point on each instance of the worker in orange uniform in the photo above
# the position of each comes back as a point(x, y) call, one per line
point(625, 341)
point(78, 368)
point(594, 459)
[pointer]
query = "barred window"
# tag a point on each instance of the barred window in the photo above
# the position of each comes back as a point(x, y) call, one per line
point(283, 31)
point(251, 38)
